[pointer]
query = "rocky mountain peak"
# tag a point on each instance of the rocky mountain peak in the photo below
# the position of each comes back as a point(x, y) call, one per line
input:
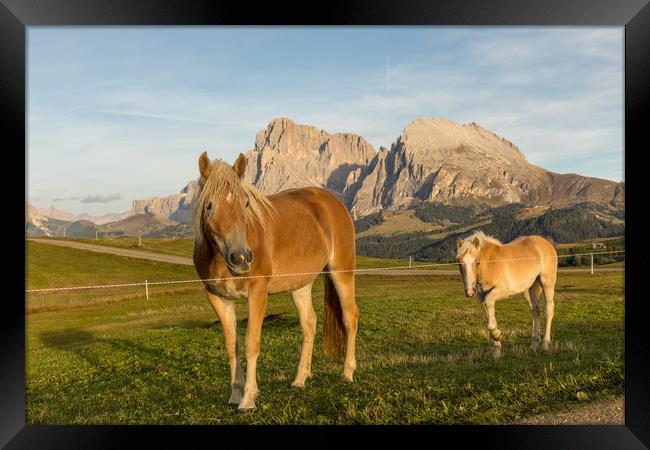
point(288, 155)
point(434, 159)
point(284, 136)
point(446, 139)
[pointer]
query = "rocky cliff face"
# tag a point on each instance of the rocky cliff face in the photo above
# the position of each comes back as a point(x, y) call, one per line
point(442, 161)
point(433, 160)
point(288, 155)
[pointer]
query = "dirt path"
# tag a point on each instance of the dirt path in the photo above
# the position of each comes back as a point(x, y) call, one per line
point(142, 254)
point(603, 412)
point(175, 259)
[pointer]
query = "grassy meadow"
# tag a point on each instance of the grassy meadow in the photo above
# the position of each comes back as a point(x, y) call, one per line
point(424, 356)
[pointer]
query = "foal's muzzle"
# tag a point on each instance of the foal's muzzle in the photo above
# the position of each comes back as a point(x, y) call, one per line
point(239, 261)
point(470, 292)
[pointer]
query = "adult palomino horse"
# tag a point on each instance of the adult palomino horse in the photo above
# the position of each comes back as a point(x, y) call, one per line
point(493, 271)
point(255, 246)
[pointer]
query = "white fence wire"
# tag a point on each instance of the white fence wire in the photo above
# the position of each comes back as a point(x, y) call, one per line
point(405, 269)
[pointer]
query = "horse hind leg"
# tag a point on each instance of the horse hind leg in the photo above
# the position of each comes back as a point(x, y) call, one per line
point(303, 301)
point(533, 296)
point(344, 285)
point(548, 286)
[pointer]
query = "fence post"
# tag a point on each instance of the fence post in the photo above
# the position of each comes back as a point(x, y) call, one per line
point(592, 263)
point(139, 238)
point(146, 289)
point(409, 261)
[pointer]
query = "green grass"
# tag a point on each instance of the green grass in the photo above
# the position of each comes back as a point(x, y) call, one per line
point(424, 355)
point(53, 266)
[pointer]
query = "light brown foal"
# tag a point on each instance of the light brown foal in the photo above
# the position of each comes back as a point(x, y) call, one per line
point(493, 271)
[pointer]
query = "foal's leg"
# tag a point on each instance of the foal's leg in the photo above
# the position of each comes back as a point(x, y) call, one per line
point(344, 284)
point(488, 305)
point(302, 300)
point(534, 292)
point(548, 285)
point(225, 310)
point(256, 308)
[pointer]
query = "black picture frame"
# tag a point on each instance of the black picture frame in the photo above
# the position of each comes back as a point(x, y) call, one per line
point(634, 15)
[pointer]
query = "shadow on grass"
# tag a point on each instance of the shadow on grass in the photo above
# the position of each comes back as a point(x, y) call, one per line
point(274, 321)
point(79, 342)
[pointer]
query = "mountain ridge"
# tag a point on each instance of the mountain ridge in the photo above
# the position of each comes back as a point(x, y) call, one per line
point(433, 160)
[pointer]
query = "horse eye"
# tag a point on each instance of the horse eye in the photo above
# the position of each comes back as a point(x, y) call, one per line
point(209, 207)
point(248, 202)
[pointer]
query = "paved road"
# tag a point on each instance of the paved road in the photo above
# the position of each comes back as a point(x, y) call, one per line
point(175, 259)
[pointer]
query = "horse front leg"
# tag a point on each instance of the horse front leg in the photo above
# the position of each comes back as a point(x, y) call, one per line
point(256, 309)
point(488, 302)
point(303, 301)
point(225, 310)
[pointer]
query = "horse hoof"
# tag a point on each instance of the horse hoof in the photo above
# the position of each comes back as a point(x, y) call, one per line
point(347, 379)
point(298, 386)
point(546, 345)
point(246, 410)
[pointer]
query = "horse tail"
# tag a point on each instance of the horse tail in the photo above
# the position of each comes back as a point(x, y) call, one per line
point(333, 327)
point(537, 286)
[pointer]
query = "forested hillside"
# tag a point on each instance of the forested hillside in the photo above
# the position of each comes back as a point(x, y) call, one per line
point(571, 224)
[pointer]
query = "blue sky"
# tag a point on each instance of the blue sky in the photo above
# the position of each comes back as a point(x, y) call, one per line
point(122, 113)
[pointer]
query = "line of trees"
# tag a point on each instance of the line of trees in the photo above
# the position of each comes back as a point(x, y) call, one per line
point(368, 221)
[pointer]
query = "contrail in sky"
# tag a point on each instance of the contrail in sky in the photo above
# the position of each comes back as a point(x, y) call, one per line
point(388, 72)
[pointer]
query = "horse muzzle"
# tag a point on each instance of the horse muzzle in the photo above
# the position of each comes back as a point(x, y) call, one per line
point(239, 262)
point(470, 292)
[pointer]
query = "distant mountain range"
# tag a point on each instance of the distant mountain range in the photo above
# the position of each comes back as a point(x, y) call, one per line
point(433, 161)
point(52, 222)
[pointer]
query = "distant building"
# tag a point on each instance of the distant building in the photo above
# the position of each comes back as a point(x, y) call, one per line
point(598, 245)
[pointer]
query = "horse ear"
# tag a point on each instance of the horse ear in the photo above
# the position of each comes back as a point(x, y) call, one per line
point(240, 166)
point(205, 165)
point(459, 242)
point(476, 242)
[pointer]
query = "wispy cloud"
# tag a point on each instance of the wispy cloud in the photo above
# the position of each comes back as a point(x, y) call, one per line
point(89, 199)
point(101, 198)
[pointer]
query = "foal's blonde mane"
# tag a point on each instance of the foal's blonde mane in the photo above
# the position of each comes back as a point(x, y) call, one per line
point(223, 181)
point(482, 239)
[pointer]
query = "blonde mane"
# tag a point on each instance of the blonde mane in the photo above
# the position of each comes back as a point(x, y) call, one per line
point(221, 181)
point(482, 238)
